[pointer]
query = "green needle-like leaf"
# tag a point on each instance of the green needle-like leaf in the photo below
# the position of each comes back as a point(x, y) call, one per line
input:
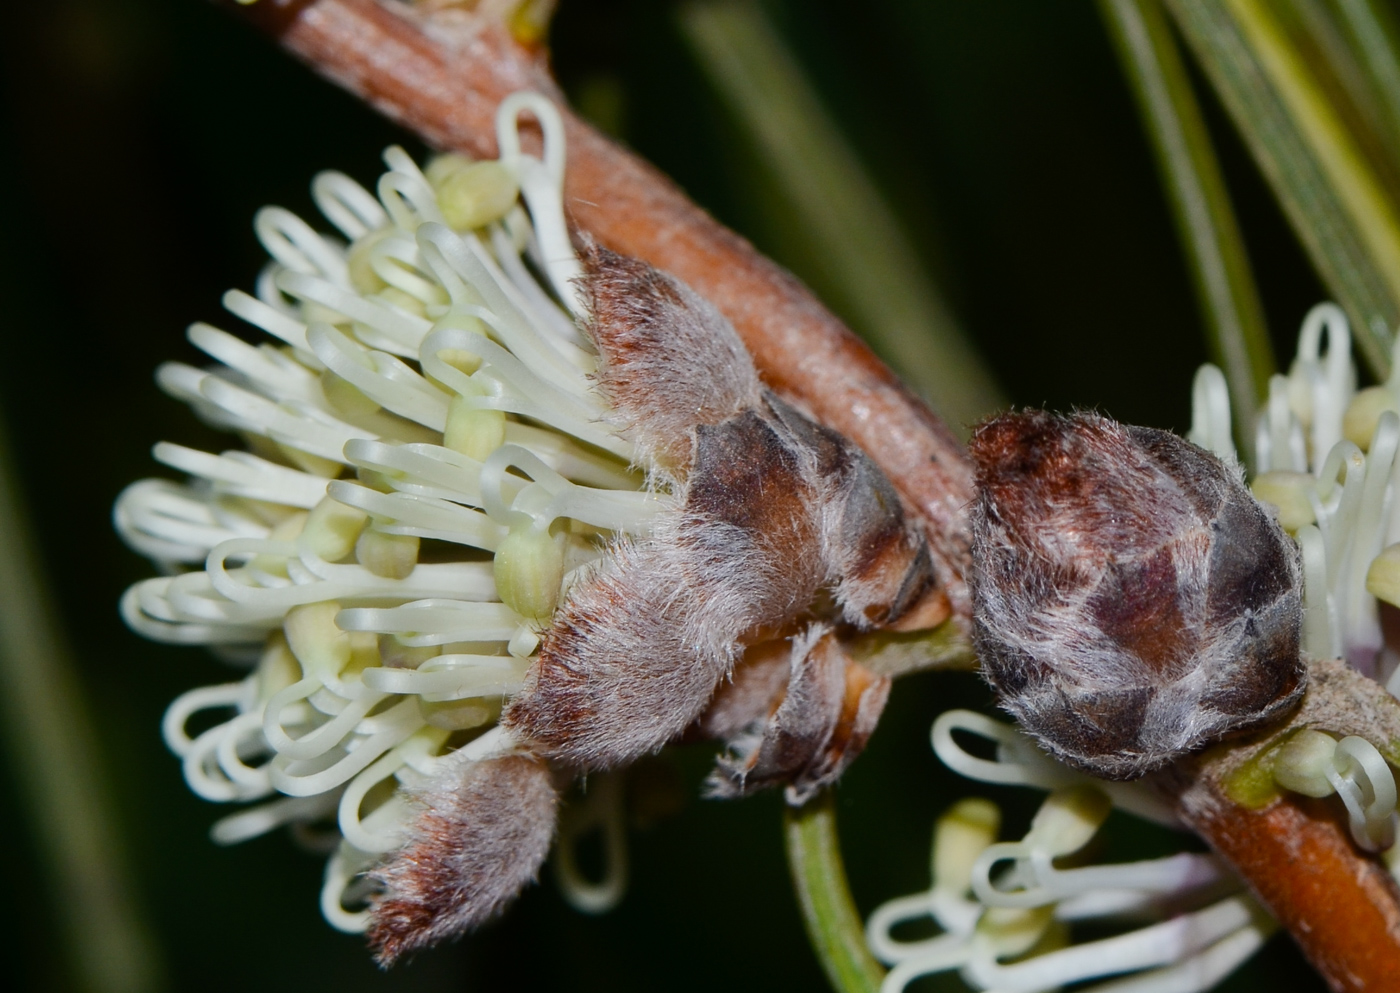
point(1205, 220)
point(868, 265)
point(1332, 196)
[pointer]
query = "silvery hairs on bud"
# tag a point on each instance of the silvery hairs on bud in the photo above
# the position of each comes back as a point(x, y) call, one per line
point(774, 508)
point(1132, 601)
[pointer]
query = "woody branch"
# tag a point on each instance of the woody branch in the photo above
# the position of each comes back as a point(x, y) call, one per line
point(441, 70)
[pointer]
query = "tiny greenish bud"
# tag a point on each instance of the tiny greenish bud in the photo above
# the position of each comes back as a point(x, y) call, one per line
point(393, 556)
point(396, 655)
point(1067, 819)
point(277, 669)
point(444, 166)
point(962, 833)
point(529, 571)
point(345, 397)
point(476, 194)
point(1287, 492)
point(1364, 413)
point(286, 529)
point(332, 529)
point(362, 275)
point(1013, 931)
point(459, 715)
point(474, 432)
point(1303, 763)
point(318, 644)
point(1383, 578)
point(1251, 785)
point(306, 462)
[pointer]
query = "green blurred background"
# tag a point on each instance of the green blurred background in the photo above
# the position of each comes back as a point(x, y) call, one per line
point(139, 138)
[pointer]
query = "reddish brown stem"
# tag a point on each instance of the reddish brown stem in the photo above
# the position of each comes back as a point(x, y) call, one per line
point(442, 71)
point(1302, 864)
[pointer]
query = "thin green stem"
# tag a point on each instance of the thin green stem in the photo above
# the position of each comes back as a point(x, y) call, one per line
point(834, 212)
point(819, 877)
point(52, 746)
point(1333, 198)
point(1205, 220)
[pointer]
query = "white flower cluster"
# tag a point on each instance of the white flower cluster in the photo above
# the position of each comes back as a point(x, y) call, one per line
point(429, 466)
point(999, 901)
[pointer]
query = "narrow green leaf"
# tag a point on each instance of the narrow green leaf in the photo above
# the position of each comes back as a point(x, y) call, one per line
point(819, 877)
point(53, 747)
point(870, 267)
point(1332, 197)
point(1205, 220)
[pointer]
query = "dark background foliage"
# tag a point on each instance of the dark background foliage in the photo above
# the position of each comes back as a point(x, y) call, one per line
point(139, 136)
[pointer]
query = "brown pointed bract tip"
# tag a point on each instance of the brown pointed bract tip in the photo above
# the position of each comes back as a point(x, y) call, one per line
point(1132, 601)
point(481, 838)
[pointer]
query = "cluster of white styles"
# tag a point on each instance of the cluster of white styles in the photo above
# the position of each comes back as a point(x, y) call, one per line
point(428, 467)
point(1325, 456)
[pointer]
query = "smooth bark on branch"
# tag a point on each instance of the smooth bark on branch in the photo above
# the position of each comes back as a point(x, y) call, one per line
point(441, 71)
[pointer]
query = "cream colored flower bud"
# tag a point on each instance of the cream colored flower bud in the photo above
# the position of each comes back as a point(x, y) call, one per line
point(459, 715)
point(317, 642)
point(345, 397)
point(477, 194)
point(1068, 819)
point(332, 529)
point(277, 669)
point(443, 167)
point(529, 571)
point(473, 432)
point(1364, 412)
point(393, 556)
point(362, 274)
point(403, 300)
point(962, 833)
point(286, 529)
point(1289, 493)
point(1303, 764)
point(1013, 931)
point(1383, 578)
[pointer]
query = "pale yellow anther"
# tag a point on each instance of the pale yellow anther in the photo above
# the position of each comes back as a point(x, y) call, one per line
point(393, 556)
point(306, 462)
point(1304, 762)
point(474, 195)
point(277, 669)
point(1012, 931)
point(286, 529)
point(459, 715)
point(1364, 413)
point(403, 300)
point(473, 432)
point(1067, 819)
point(441, 167)
point(362, 275)
point(345, 398)
point(396, 655)
point(317, 313)
point(332, 529)
point(364, 652)
point(318, 644)
point(1290, 493)
point(529, 570)
point(961, 834)
point(1383, 578)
